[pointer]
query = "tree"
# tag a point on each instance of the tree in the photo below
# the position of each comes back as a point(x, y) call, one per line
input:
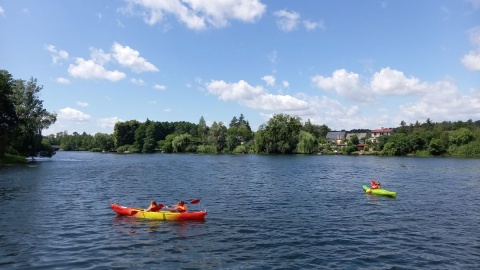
point(8, 116)
point(217, 136)
point(124, 132)
point(280, 135)
point(202, 130)
point(32, 118)
point(306, 143)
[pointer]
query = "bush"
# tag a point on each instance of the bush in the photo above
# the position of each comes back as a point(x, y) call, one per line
point(206, 149)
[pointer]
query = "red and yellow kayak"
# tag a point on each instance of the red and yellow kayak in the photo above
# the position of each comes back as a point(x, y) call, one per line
point(161, 215)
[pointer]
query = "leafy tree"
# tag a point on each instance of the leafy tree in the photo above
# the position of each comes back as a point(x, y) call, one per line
point(280, 135)
point(32, 118)
point(436, 147)
point(202, 130)
point(217, 136)
point(8, 116)
point(167, 144)
point(461, 136)
point(181, 142)
point(306, 143)
point(124, 132)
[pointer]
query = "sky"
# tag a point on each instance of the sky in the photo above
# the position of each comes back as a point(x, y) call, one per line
point(347, 64)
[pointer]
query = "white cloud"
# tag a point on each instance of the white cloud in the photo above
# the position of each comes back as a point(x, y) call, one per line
point(88, 69)
point(472, 60)
point(197, 14)
point(72, 114)
point(62, 80)
point(108, 122)
point(99, 56)
point(270, 80)
point(254, 97)
point(167, 110)
point(394, 82)
point(130, 58)
point(159, 87)
point(82, 104)
point(346, 84)
point(444, 102)
point(57, 55)
point(287, 21)
point(285, 84)
point(2, 11)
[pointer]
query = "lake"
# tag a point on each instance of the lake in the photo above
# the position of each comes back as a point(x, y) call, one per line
point(264, 212)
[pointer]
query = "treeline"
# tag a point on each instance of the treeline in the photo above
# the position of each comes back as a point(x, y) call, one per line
point(461, 139)
point(22, 118)
point(282, 134)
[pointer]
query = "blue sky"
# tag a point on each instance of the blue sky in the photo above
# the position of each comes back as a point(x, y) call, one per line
point(346, 63)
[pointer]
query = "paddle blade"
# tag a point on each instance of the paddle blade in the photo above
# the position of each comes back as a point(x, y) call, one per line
point(195, 201)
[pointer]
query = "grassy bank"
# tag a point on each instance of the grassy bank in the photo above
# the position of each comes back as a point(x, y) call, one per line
point(10, 159)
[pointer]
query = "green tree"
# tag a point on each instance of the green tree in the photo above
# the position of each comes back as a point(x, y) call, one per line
point(306, 143)
point(124, 132)
point(461, 136)
point(280, 135)
point(32, 118)
point(180, 143)
point(202, 130)
point(217, 135)
point(8, 116)
point(436, 147)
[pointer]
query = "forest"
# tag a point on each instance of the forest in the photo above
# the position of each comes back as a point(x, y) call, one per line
point(22, 119)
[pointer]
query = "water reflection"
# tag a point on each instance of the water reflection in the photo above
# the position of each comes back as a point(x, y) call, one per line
point(132, 225)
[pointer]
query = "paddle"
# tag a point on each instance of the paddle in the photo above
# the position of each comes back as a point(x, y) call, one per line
point(195, 201)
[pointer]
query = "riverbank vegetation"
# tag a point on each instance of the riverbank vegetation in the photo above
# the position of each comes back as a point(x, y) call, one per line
point(22, 119)
point(282, 134)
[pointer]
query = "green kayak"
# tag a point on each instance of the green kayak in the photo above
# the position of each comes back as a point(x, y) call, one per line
point(379, 191)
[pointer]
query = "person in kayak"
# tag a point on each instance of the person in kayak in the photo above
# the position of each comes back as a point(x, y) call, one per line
point(375, 184)
point(153, 207)
point(180, 207)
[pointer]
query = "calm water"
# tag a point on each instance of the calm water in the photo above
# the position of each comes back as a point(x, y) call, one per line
point(265, 212)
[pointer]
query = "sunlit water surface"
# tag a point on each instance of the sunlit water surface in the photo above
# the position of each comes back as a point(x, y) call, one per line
point(264, 212)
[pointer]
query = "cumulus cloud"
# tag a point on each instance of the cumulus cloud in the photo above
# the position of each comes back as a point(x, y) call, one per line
point(443, 101)
point(130, 58)
point(108, 122)
point(2, 11)
point(89, 69)
point(198, 14)
point(254, 97)
point(394, 82)
point(72, 114)
point(270, 80)
point(62, 80)
point(57, 55)
point(346, 84)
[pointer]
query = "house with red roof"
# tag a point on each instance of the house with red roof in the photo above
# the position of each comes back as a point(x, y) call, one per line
point(376, 133)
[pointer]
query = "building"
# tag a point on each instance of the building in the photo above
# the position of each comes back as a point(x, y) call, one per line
point(376, 133)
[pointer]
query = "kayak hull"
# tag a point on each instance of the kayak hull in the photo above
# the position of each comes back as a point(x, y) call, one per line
point(160, 215)
point(379, 191)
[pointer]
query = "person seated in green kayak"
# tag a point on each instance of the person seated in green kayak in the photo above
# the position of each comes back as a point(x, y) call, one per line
point(180, 207)
point(375, 184)
point(153, 207)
